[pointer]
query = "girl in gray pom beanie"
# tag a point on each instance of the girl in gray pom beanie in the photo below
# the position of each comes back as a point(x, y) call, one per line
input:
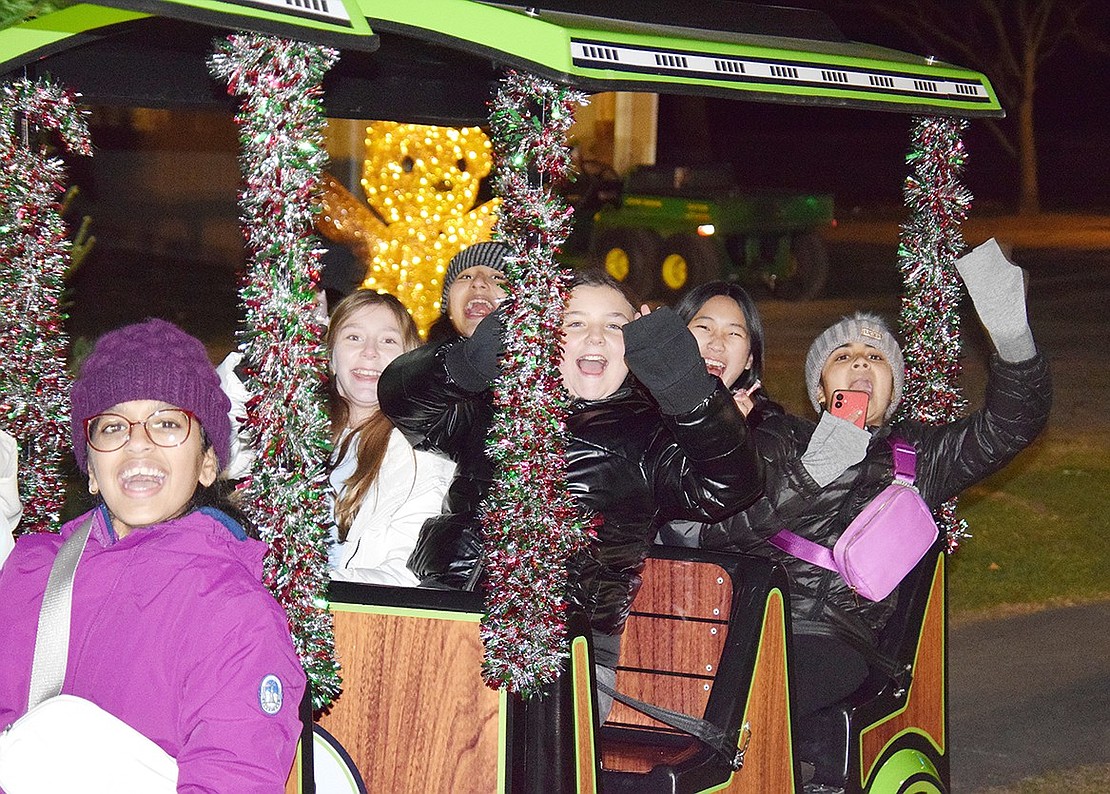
point(822, 474)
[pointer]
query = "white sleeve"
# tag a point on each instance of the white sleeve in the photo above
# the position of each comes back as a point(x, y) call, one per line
point(242, 452)
point(378, 547)
point(10, 508)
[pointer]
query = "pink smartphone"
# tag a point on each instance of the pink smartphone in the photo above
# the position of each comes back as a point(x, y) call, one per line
point(846, 402)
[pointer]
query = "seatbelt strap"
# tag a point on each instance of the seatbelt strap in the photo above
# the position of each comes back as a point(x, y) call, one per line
point(704, 730)
point(48, 667)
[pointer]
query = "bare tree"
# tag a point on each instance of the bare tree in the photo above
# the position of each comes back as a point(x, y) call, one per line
point(1008, 40)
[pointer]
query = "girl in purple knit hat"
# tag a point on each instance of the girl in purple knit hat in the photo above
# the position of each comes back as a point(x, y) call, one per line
point(172, 631)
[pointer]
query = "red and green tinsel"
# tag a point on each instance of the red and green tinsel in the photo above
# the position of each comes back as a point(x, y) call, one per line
point(931, 241)
point(281, 124)
point(531, 523)
point(34, 259)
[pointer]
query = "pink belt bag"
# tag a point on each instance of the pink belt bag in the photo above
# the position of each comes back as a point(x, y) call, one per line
point(884, 542)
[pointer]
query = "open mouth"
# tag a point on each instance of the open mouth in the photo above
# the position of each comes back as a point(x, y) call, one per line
point(141, 480)
point(366, 374)
point(861, 384)
point(478, 307)
point(715, 367)
point(592, 365)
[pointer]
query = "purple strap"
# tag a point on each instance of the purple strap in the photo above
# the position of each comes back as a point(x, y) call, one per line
point(905, 460)
point(797, 546)
point(905, 470)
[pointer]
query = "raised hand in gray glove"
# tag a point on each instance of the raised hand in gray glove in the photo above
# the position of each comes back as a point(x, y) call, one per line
point(997, 288)
point(835, 445)
point(473, 362)
point(663, 355)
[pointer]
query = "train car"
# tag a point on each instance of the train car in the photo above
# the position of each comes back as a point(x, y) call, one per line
point(707, 647)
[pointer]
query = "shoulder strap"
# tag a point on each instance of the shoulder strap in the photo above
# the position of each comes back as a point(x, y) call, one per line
point(48, 669)
point(804, 549)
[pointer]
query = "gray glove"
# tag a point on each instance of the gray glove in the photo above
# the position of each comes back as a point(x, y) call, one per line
point(835, 445)
point(997, 288)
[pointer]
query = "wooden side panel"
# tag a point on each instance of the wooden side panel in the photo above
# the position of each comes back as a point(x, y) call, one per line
point(416, 681)
point(688, 695)
point(684, 589)
point(768, 764)
point(293, 782)
point(924, 708)
point(673, 645)
point(673, 639)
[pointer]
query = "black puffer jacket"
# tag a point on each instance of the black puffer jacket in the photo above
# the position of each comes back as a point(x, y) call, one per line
point(950, 458)
point(627, 462)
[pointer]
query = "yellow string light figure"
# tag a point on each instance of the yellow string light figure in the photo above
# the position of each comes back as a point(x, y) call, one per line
point(421, 183)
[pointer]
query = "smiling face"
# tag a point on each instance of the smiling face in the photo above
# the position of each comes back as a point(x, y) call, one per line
point(144, 484)
point(859, 367)
point(593, 341)
point(366, 341)
point(723, 339)
point(474, 293)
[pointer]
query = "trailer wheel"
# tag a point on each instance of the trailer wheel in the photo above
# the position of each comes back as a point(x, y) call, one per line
point(807, 270)
point(629, 256)
point(688, 260)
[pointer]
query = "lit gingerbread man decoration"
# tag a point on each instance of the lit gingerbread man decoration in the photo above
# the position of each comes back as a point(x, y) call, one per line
point(421, 183)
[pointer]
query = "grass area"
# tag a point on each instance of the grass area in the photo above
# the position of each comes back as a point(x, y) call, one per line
point(1093, 779)
point(1040, 532)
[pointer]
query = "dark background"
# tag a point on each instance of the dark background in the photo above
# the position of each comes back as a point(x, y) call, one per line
point(858, 155)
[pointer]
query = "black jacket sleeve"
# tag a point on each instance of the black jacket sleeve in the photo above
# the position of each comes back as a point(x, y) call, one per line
point(1015, 410)
point(418, 394)
point(705, 467)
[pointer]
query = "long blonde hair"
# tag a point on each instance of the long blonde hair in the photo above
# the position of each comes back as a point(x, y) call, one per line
point(372, 433)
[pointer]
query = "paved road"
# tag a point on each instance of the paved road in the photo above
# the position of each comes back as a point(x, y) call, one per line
point(1029, 694)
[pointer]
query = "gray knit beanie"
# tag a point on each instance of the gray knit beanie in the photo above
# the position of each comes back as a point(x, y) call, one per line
point(871, 330)
point(488, 254)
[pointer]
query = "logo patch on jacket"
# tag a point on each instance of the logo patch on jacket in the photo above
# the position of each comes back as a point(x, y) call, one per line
point(269, 694)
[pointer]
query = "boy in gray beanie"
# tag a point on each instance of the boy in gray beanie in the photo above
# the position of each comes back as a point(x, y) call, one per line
point(473, 286)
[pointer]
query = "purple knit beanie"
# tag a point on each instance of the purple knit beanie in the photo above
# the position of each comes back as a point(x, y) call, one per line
point(152, 360)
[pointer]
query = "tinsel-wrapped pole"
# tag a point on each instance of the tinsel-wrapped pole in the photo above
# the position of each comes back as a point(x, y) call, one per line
point(281, 124)
point(931, 241)
point(34, 258)
point(531, 523)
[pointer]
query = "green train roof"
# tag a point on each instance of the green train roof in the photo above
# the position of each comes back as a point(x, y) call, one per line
point(436, 60)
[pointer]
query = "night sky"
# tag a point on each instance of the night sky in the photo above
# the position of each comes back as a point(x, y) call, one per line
point(858, 155)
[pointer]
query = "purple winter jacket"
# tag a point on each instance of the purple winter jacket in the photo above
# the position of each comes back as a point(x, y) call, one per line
point(173, 632)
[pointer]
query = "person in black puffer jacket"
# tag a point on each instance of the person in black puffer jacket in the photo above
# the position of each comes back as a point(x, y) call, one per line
point(669, 444)
point(821, 475)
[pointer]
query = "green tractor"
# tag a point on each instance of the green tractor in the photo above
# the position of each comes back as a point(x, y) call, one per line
point(678, 226)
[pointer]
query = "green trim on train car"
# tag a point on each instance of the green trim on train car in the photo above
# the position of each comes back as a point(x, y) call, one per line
point(22, 43)
point(593, 53)
point(585, 743)
point(588, 52)
point(907, 772)
point(784, 603)
point(865, 775)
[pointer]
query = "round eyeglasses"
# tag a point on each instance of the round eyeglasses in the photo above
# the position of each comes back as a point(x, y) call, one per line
point(166, 427)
